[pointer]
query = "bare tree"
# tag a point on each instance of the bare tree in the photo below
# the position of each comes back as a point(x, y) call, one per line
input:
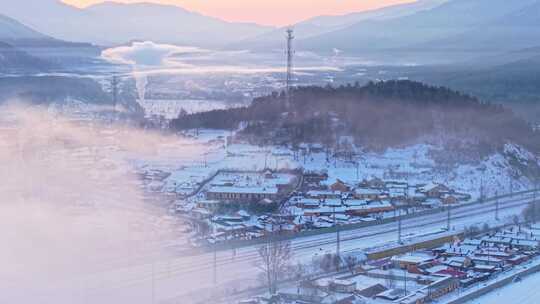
point(530, 213)
point(275, 258)
point(299, 271)
point(352, 262)
point(329, 262)
point(390, 280)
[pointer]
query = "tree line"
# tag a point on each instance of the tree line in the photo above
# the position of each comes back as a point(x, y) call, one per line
point(378, 115)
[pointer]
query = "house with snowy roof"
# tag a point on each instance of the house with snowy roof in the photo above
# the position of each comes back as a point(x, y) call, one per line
point(374, 183)
point(369, 208)
point(368, 193)
point(434, 190)
point(339, 186)
point(323, 194)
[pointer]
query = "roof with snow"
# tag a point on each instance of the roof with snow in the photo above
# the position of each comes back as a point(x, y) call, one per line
point(413, 258)
point(243, 190)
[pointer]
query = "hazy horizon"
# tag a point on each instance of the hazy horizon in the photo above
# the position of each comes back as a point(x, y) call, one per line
point(263, 12)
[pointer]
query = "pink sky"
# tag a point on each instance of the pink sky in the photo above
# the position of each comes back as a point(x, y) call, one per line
point(269, 12)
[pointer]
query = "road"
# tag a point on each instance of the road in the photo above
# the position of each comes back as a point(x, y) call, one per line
point(188, 278)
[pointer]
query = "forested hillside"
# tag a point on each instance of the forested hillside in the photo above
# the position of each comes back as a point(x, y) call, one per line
point(13, 60)
point(378, 115)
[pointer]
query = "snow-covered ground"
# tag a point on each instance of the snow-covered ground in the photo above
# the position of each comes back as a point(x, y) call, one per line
point(104, 159)
point(412, 164)
point(178, 279)
point(524, 292)
point(170, 109)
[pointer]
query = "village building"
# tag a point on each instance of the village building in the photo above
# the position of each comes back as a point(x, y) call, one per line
point(339, 186)
point(250, 187)
point(434, 190)
point(315, 177)
point(210, 205)
point(369, 208)
point(368, 193)
point(449, 199)
point(323, 194)
point(242, 194)
point(306, 203)
point(374, 183)
point(412, 260)
point(343, 286)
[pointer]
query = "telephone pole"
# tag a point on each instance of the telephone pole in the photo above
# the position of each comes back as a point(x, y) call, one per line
point(449, 217)
point(511, 187)
point(338, 240)
point(405, 281)
point(534, 199)
point(399, 226)
point(215, 264)
point(496, 206)
point(290, 58)
point(114, 89)
point(338, 248)
point(482, 189)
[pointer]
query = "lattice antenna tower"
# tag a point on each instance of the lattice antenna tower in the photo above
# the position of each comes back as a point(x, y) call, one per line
point(290, 65)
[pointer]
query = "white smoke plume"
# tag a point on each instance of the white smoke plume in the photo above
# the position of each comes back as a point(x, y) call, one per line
point(148, 53)
point(69, 203)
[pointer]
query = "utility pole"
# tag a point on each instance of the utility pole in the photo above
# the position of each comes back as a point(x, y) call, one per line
point(449, 217)
point(482, 189)
point(399, 226)
point(266, 160)
point(534, 198)
point(338, 247)
point(290, 58)
point(114, 89)
point(338, 240)
point(357, 170)
point(153, 282)
point(215, 264)
point(511, 187)
point(405, 282)
point(496, 205)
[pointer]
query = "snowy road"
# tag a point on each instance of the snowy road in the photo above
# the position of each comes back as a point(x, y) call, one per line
point(187, 277)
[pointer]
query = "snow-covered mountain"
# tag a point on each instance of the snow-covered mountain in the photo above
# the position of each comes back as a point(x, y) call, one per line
point(11, 29)
point(325, 24)
point(452, 20)
point(115, 23)
point(519, 29)
point(453, 17)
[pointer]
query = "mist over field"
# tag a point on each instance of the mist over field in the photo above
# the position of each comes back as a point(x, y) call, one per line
point(156, 58)
point(70, 204)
